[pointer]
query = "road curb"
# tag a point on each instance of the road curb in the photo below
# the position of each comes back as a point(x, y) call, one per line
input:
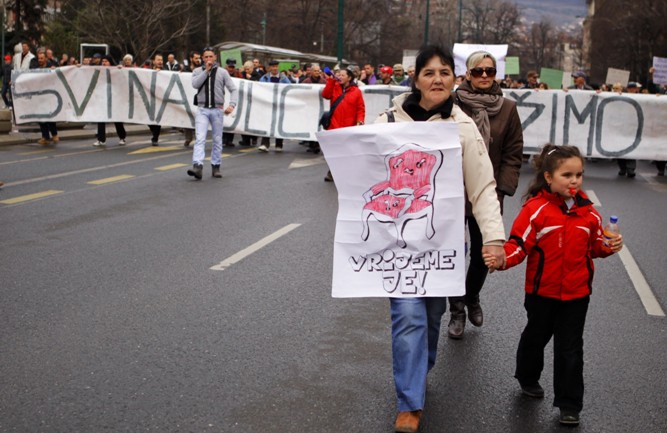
point(31, 136)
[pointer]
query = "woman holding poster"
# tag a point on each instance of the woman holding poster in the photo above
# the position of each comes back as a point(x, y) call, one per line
point(497, 119)
point(416, 320)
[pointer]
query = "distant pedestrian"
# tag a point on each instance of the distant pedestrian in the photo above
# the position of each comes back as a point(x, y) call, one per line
point(210, 80)
point(23, 58)
point(101, 136)
point(560, 233)
point(347, 107)
point(6, 81)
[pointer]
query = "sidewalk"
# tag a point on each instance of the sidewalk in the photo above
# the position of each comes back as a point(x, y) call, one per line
point(29, 133)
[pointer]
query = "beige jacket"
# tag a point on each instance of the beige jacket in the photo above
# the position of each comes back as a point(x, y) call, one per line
point(477, 170)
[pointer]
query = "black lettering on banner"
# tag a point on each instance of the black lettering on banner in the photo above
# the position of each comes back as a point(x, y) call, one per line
point(29, 95)
point(109, 94)
point(239, 109)
point(283, 95)
point(390, 92)
point(79, 109)
point(133, 80)
point(249, 109)
point(589, 111)
point(175, 80)
point(539, 109)
point(600, 119)
point(554, 118)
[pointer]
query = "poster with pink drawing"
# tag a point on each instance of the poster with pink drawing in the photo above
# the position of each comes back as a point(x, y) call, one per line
point(400, 224)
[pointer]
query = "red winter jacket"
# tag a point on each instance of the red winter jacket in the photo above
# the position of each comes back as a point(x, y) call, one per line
point(351, 110)
point(560, 244)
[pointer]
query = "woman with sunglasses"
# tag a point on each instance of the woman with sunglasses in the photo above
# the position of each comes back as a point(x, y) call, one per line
point(497, 119)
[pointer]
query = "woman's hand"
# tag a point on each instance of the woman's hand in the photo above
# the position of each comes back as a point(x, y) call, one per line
point(494, 256)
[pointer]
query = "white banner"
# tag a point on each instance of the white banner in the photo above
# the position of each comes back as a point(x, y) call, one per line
point(602, 125)
point(400, 224)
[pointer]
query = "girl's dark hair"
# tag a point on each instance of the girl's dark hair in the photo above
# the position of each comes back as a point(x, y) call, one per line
point(427, 53)
point(548, 161)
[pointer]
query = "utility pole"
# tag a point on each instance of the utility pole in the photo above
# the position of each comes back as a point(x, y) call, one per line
point(458, 39)
point(426, 23)
point(4, 22)
point(264, 29)
point(341, 7)
point(208, 23)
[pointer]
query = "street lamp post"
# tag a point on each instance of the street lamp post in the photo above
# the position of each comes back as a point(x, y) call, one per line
point(341, 7)
point(458, 39)
point(426, 22)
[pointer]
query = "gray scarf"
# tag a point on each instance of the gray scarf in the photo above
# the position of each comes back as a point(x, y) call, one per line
point(483, 104)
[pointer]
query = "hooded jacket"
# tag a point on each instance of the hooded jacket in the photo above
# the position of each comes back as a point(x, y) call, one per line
point(560, 244)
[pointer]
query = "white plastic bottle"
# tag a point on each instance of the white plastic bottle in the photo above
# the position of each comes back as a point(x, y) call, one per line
point(610, 231)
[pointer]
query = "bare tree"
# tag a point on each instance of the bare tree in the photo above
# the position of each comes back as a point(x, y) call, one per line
point(626, 37)
point(541, 49)
point(134, 26)
point(490, 22)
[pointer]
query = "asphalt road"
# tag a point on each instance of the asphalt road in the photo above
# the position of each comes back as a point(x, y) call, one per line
point(112, 319)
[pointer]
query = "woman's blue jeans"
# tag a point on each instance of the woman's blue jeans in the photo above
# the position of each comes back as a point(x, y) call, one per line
point(415, 330)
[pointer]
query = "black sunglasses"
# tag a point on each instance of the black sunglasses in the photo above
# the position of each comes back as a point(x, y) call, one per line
point(477, 72)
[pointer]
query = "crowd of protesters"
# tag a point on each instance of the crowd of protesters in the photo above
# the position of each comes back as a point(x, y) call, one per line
point(254, 70)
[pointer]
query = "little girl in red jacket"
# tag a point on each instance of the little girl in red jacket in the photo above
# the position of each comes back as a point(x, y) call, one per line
point(560, 232)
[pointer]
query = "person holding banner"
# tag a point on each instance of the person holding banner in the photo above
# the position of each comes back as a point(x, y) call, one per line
point(273, 76)
point(497, 118)
point(194, 63)
point(49, 130)
point(210, 81)
point(101, 136)
point(157, 65)
point(415, 321)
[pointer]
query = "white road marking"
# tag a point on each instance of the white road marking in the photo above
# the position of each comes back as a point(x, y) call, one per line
point(653, 181)
point(642, 288)
point(253, 248)
point(594, 198)
point(651, 304)
point(306, 162)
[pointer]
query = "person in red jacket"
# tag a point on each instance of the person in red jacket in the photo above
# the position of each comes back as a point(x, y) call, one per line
point(560, 232)
point(350, 110)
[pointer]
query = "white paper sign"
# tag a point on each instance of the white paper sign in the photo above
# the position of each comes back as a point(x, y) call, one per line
point(400, 224)
point(660, 73)
point(462, 51)
point(617, 76)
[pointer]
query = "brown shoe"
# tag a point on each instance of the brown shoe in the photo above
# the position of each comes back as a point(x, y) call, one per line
point(43, 141)
point(457, 323)
point(475, 314)
point(408, 422)
point(55, 139)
